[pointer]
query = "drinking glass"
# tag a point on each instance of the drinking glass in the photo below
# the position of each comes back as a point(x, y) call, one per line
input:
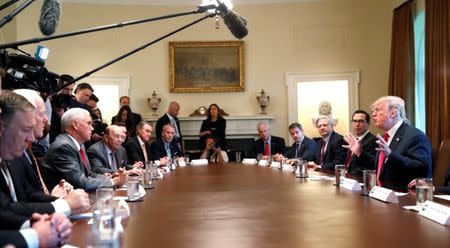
point(133, 187)
point(339, 171)
point(424, 191)
point(238, 157)
point(368, 181)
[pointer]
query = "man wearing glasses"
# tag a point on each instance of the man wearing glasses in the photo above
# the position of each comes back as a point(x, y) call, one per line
point(363, 158)
point(108, 155)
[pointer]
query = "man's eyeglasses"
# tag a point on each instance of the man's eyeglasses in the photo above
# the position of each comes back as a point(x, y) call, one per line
point(360, 121)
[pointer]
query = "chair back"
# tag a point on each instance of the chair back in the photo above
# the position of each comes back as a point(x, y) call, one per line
point(442, 163)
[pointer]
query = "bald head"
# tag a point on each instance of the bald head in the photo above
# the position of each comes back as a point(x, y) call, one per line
point(174, 109)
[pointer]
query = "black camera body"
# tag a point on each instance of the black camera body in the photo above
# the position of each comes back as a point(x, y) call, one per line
point(25, 72)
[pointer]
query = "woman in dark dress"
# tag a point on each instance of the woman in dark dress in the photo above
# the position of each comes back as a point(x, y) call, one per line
point(125, 118)
point(214, 125)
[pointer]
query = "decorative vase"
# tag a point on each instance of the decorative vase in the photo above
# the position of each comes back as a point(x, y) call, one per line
point(262, 100)
point(154, 102)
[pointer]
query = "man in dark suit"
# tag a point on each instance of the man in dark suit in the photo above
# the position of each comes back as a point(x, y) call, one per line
point(108, 155)
point(170, 117)
point(330, 151)
point(67, 157)
point(404, 151)
point(303, 147)
point(138, 147)
point(125, 101)
point(17, 118)
point(166, 147)
point(267, 144)
point(362, 156)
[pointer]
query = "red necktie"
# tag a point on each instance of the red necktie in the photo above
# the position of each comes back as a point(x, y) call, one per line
point(322, 151)
point(381, 160)
point(266, 149)
point(83, 157)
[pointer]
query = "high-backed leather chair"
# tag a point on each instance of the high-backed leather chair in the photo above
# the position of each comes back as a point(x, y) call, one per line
point(442, 163)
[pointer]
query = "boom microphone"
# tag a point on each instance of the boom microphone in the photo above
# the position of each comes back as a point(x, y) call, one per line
point(235, 23)
point(50, 12)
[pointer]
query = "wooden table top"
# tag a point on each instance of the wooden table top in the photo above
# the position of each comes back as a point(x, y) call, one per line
point(234, 205)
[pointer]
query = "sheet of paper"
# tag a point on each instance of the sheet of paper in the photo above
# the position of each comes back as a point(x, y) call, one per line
point(445, 197)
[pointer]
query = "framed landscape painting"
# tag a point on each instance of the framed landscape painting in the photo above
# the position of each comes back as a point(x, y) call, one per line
point(206, 66)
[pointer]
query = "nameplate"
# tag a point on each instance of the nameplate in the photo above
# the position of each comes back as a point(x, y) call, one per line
point(287, 167)
point(263, 162)
point(250, 161)
point(275, 165)
point(199, 162)
point(350, 184)
point(436, 212)
point(383, 194)
point(123, 209)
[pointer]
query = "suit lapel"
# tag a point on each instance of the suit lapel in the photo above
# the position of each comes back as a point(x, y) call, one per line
point(397, 137)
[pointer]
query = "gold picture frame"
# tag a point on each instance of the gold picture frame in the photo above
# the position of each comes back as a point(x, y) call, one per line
point(206, 66)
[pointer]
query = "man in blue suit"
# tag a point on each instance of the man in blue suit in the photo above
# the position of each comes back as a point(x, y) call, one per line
point(303, 147)
point(404, 151)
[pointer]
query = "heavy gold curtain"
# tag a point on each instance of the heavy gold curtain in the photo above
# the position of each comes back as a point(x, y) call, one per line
point(402, 66)
point(437, 70)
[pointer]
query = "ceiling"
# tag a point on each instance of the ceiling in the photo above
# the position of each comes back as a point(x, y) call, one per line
point(179, 2)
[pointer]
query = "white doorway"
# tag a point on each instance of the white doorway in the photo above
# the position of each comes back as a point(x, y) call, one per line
point(108, 90)
point(307, 90)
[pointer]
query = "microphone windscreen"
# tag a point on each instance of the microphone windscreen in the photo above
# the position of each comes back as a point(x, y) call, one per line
point(236, 24)
point(50, 12)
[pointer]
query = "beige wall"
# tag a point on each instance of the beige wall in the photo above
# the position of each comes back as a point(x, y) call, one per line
point(328, 36)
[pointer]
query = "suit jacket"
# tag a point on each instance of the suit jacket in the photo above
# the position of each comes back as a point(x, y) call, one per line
point(334, 153)
point(12, 237)
point(29, 200)
point(410, 158)
point(99, 158)
point(163, 121)
point(10, 220)
point(277, 145)
point(159, 151)
point(307, 150)
point(446, 188)
point(63, 161)
point(366, 159)
point(134, 150)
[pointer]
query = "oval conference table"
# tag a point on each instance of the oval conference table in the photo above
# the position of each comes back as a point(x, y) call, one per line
point(235, 205)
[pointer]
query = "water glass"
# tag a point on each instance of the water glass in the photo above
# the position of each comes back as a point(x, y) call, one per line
point(105, 194)
point(424, 191)
point(339, 171)
point(238, 157)
point(133, 187)
point(259, 157)
point(368, 181)
point(148, 164)
point(186, 159)
point(103, 217)
point(302, 168)
point(147, 178)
